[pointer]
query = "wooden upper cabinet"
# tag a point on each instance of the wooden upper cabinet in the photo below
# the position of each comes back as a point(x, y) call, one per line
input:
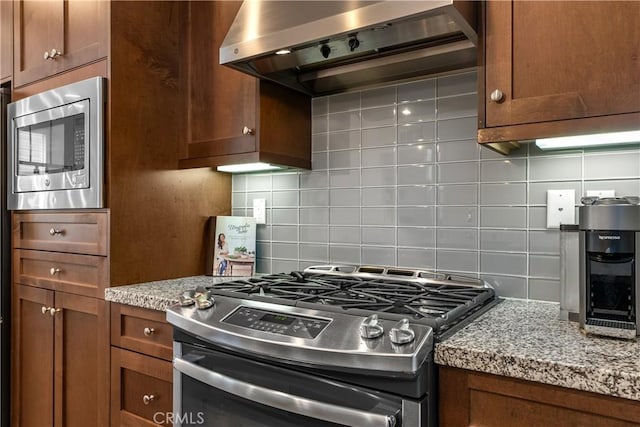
point(559, 68)
point(233, 117)
point(75, 32)
point(6, 40)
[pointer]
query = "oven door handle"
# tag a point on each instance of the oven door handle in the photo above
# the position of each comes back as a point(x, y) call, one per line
point(284, 401)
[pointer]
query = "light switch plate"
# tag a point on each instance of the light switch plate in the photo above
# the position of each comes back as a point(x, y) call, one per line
point(601, 193)
point(560, 207)
point(260, 211)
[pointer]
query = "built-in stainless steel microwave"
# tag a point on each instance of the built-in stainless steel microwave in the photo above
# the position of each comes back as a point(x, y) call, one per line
point(56, 148)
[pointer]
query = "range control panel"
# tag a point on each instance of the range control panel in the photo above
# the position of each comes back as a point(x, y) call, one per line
point(277, 323)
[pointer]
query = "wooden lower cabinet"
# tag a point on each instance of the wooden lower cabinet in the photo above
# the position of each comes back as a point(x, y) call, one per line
point(60, 363)
point(141, 389)
point(469, 398)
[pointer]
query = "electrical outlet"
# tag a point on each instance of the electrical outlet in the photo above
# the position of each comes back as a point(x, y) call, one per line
point(601, 193)
point(260, 211)
point(560, 207)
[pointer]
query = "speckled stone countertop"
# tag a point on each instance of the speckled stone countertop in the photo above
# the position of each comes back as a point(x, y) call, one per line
point(161, 294)
point(527, 340)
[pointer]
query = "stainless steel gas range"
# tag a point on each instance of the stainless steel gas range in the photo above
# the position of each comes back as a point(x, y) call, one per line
point(329, 346)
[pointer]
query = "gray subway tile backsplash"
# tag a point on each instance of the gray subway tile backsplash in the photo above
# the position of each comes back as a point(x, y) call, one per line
point(618, 165)
point(452, 151)
point(344, 216)
point(457, 84)
point(378, 97)
point(503, 263)
point(505, 170)
point(387, 188)
point(378, 137)
point(347, 140)
point(503, 193)
point(417, 237)
point(415, 91)
point(555, 168)
point(416, 153)
point(458, 194)
point(344, 235)
point(378, 255)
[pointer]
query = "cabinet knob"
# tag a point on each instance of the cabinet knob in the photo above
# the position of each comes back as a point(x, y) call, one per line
point(247, 131)
point(55, 231)
point(54, 271)
point(148, 398)
point(45, 310)
point(53, 311)
point(148, 331)
point(46, 55)
point(54, 53)
point(497, 96)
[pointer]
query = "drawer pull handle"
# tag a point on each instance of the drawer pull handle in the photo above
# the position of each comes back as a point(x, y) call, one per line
point(53, 311)
point(54, 271)
point(148, 331)
point(55, 231)
point(148, 398)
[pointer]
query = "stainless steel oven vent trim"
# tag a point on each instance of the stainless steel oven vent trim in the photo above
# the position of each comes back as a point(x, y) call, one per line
point(335, 46)
point(284, 401)
point(93, 91)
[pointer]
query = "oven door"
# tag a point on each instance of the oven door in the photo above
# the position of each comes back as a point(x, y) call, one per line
point(226, 390)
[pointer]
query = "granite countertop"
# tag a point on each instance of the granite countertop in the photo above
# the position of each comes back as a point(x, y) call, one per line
point(517, 338)
point(161, 294)
point(527, 340)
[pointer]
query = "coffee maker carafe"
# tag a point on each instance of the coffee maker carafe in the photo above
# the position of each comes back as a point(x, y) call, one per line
point(609, 277)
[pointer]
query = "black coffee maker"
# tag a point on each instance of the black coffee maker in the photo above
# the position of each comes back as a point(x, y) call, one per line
point(609, 276)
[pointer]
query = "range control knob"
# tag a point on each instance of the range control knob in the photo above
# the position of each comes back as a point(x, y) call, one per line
point(370, 328)
point(401, 333)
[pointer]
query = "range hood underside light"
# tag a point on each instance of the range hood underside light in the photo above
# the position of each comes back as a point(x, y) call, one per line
point(248, 167)
point(592, 140)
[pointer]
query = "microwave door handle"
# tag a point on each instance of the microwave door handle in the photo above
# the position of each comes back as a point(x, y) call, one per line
point(284, 401)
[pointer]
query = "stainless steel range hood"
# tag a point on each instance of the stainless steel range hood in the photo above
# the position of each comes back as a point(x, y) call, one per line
point(339, 45)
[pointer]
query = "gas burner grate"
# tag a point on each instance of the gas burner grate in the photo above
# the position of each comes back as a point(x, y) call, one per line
point(438, 303)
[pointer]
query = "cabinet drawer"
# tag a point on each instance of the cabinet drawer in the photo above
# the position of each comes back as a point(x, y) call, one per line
point(76, 274)
point(141, 389)
point(142, 330)
point(81, 233)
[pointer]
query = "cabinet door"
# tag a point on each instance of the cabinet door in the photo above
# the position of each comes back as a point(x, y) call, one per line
point(141, 389)
point(561, 60)
point(77, 29)
point(6, 40)
point(32, 357)
point(221, 101)
point(81, 361)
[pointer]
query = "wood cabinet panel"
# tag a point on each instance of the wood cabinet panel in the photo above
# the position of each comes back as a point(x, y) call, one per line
point(134, 376)
point(550, 73)
point(6, 40)
point(141, 330)
point(32, 361)
point(222, 102)
point(82, 233)
point(81, 361)
point(475, 399)
point(77, 274)
point(76, 28)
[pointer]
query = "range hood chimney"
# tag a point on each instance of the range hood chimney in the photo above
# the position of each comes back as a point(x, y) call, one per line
point(323, 47)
